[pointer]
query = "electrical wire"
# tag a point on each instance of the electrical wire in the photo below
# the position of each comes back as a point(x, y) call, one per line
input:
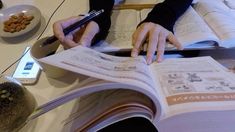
point(37, 38)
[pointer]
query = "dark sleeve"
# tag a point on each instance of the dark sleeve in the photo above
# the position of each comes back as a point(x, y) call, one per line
point(167, 12)
point(104, 20)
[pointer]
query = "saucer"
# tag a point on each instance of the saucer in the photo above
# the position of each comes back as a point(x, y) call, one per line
point(10, 20)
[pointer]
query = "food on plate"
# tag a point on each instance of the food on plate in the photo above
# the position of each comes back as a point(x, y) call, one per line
point(18, 22)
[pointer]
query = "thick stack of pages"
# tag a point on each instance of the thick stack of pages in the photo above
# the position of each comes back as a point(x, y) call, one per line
point(179, 94)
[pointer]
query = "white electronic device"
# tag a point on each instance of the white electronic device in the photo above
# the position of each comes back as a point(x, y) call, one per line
point(27, 70)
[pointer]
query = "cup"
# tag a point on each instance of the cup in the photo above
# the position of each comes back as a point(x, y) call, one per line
point(37, 52)
point(16, 103)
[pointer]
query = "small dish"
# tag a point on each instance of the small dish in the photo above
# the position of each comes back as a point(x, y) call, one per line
point(16, 13)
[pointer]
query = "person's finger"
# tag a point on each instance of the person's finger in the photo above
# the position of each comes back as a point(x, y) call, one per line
point(137, 39)
point(58, 31)
point(60, 25)
point(68, 42)
point(173, 40)
point(161, 46)
point(152, 44)
point(77, 35)
point(91, 30)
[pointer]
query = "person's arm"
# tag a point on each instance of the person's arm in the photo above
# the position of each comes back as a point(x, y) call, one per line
point(167, 12)
point(104, 20)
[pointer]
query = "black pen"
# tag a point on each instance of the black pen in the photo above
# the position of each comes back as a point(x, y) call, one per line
point(74, 26)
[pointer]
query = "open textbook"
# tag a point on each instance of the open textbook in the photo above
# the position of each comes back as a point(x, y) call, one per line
point(179, 94)
point(206, 24)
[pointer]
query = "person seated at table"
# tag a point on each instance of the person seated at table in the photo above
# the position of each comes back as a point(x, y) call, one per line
point(155, 29)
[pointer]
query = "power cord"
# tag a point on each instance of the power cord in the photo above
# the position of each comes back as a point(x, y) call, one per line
point(37, 38)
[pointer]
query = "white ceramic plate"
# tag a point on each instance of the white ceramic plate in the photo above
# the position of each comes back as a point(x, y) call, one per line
point(28, 10)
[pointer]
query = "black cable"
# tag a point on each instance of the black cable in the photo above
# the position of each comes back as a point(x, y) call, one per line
point(37, 38)
point(14, 62)
point(50, 19)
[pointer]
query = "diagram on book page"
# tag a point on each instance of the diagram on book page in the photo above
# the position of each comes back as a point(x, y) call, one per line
point(188, 81)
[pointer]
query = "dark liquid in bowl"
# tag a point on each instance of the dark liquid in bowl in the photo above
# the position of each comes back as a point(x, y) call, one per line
point(16, 104)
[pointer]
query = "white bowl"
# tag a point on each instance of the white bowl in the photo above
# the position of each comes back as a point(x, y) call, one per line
point(28, 10)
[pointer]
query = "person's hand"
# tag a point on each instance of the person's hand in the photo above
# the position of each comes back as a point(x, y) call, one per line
point(81, 36)
point(155, 35)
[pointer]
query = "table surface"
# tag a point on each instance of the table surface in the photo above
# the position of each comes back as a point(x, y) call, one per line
point(48, 88)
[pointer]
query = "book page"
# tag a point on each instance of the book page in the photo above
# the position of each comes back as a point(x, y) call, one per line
point(198, 83)
point(124, 23)
point(124, 70)
point(190, 29)
point(142, 1)
point(230, 4)
point(220, 17)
